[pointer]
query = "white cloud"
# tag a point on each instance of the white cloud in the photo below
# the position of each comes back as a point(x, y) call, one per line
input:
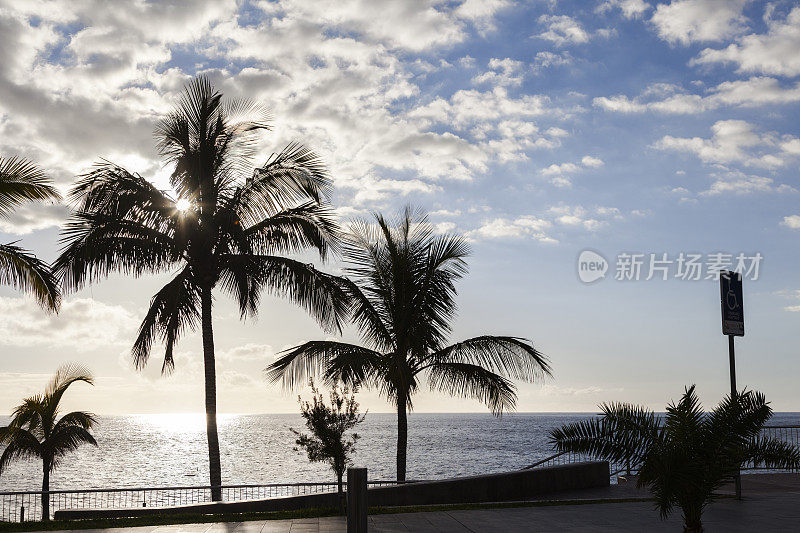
point(671, 99)
point(793, 294)
point(579, 216)
point(755, 91)
point(467, 107)
point(560, 172)
point(372, 189)
point(413, 26)
point(791, 145)
point(792, 221)
point(773, 52)
point(546, 59)
point(82, 324)
point(548, 389)
point(33, 217)
point(445, 213)
point(687, 21)
point(444, 227)
point(329, 71)
point(562, 30)
point(234, 378)
point(249, 352)
point(563, 168)
point(503, 72)
point(630, 8)
point(527, 226)
point(591, 162)
point(732, 141)
point(501, 126)
point(741, 183)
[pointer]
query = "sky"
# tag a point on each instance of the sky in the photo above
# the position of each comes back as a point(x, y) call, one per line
point(653, 134)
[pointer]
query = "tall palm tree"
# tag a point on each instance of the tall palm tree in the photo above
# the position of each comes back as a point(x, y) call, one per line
point(21, 181)
point(226, 226)
point(36, 432)
point(686, 456)
point(402, 293)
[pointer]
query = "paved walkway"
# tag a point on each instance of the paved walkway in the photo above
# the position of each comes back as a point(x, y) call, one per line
point(771, 503)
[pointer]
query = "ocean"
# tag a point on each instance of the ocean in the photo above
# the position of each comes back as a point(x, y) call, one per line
point(170, 449)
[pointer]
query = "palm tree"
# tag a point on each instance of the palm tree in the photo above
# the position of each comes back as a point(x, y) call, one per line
point(226, 227)
point(402, 293)
point(686, 456)
point(36, 432)
point(21, 181)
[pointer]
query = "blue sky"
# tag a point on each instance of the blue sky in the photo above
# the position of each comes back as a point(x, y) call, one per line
point(538, 129)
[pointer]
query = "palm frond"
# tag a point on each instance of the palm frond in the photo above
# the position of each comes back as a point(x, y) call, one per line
point(407, 274)
point(24, 271)
point(684, 419)
point(30, 414)
point(623, 432)
point(335, 361)
point(295, 176)
point(65, 376)
point(173, 309)
point(241, 277)
point(368, 317)
point(320, 294)
point(77, 418)
point(513, 357)
point(769, 452)
point(309, 225)
point(65, 439)
point(112, 190)
point(21, 181)
point(472, 381)
point(97, 245)
point(19, 444)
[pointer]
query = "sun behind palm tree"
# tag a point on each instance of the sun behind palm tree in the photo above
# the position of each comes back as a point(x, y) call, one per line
point(227, 228)
point(403, 300)
point(36, 432)
point(21, 181)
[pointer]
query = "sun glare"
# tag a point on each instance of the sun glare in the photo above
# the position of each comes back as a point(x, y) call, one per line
point(183, 205)
point(177, 422)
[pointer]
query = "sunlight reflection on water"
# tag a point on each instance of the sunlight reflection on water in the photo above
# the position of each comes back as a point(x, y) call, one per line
point(170, 449)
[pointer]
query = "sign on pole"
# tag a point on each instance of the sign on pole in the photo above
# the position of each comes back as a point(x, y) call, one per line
point(730, 289)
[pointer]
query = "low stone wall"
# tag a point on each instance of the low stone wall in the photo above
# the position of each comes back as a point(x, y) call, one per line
point(507, 486)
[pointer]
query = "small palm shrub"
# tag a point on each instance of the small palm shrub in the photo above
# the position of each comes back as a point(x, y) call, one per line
point(687, 455)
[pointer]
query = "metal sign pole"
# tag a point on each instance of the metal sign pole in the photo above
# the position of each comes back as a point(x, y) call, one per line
point(732, 304)
point(732, 358)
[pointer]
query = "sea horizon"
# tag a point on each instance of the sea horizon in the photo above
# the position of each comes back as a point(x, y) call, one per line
point(170, 449)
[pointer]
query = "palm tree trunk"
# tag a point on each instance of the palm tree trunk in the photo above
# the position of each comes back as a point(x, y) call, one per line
point(214, 468)
point(692, 521)
point(402, 436)
point(45, 490)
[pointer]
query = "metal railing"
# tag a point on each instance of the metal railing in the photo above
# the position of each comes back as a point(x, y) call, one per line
point(565, 458)
point(788, 434)
point(17, 506)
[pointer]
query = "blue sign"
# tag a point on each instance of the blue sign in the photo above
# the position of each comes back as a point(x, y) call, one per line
point(730, 290)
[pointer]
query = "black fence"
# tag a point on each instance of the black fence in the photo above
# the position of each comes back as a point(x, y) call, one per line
point(27, 505)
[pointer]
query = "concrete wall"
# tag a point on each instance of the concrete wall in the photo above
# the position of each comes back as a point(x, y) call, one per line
point(506, 486)
point(503, 487)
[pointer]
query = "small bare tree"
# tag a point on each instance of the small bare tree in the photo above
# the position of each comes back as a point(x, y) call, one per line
point(329, 441)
